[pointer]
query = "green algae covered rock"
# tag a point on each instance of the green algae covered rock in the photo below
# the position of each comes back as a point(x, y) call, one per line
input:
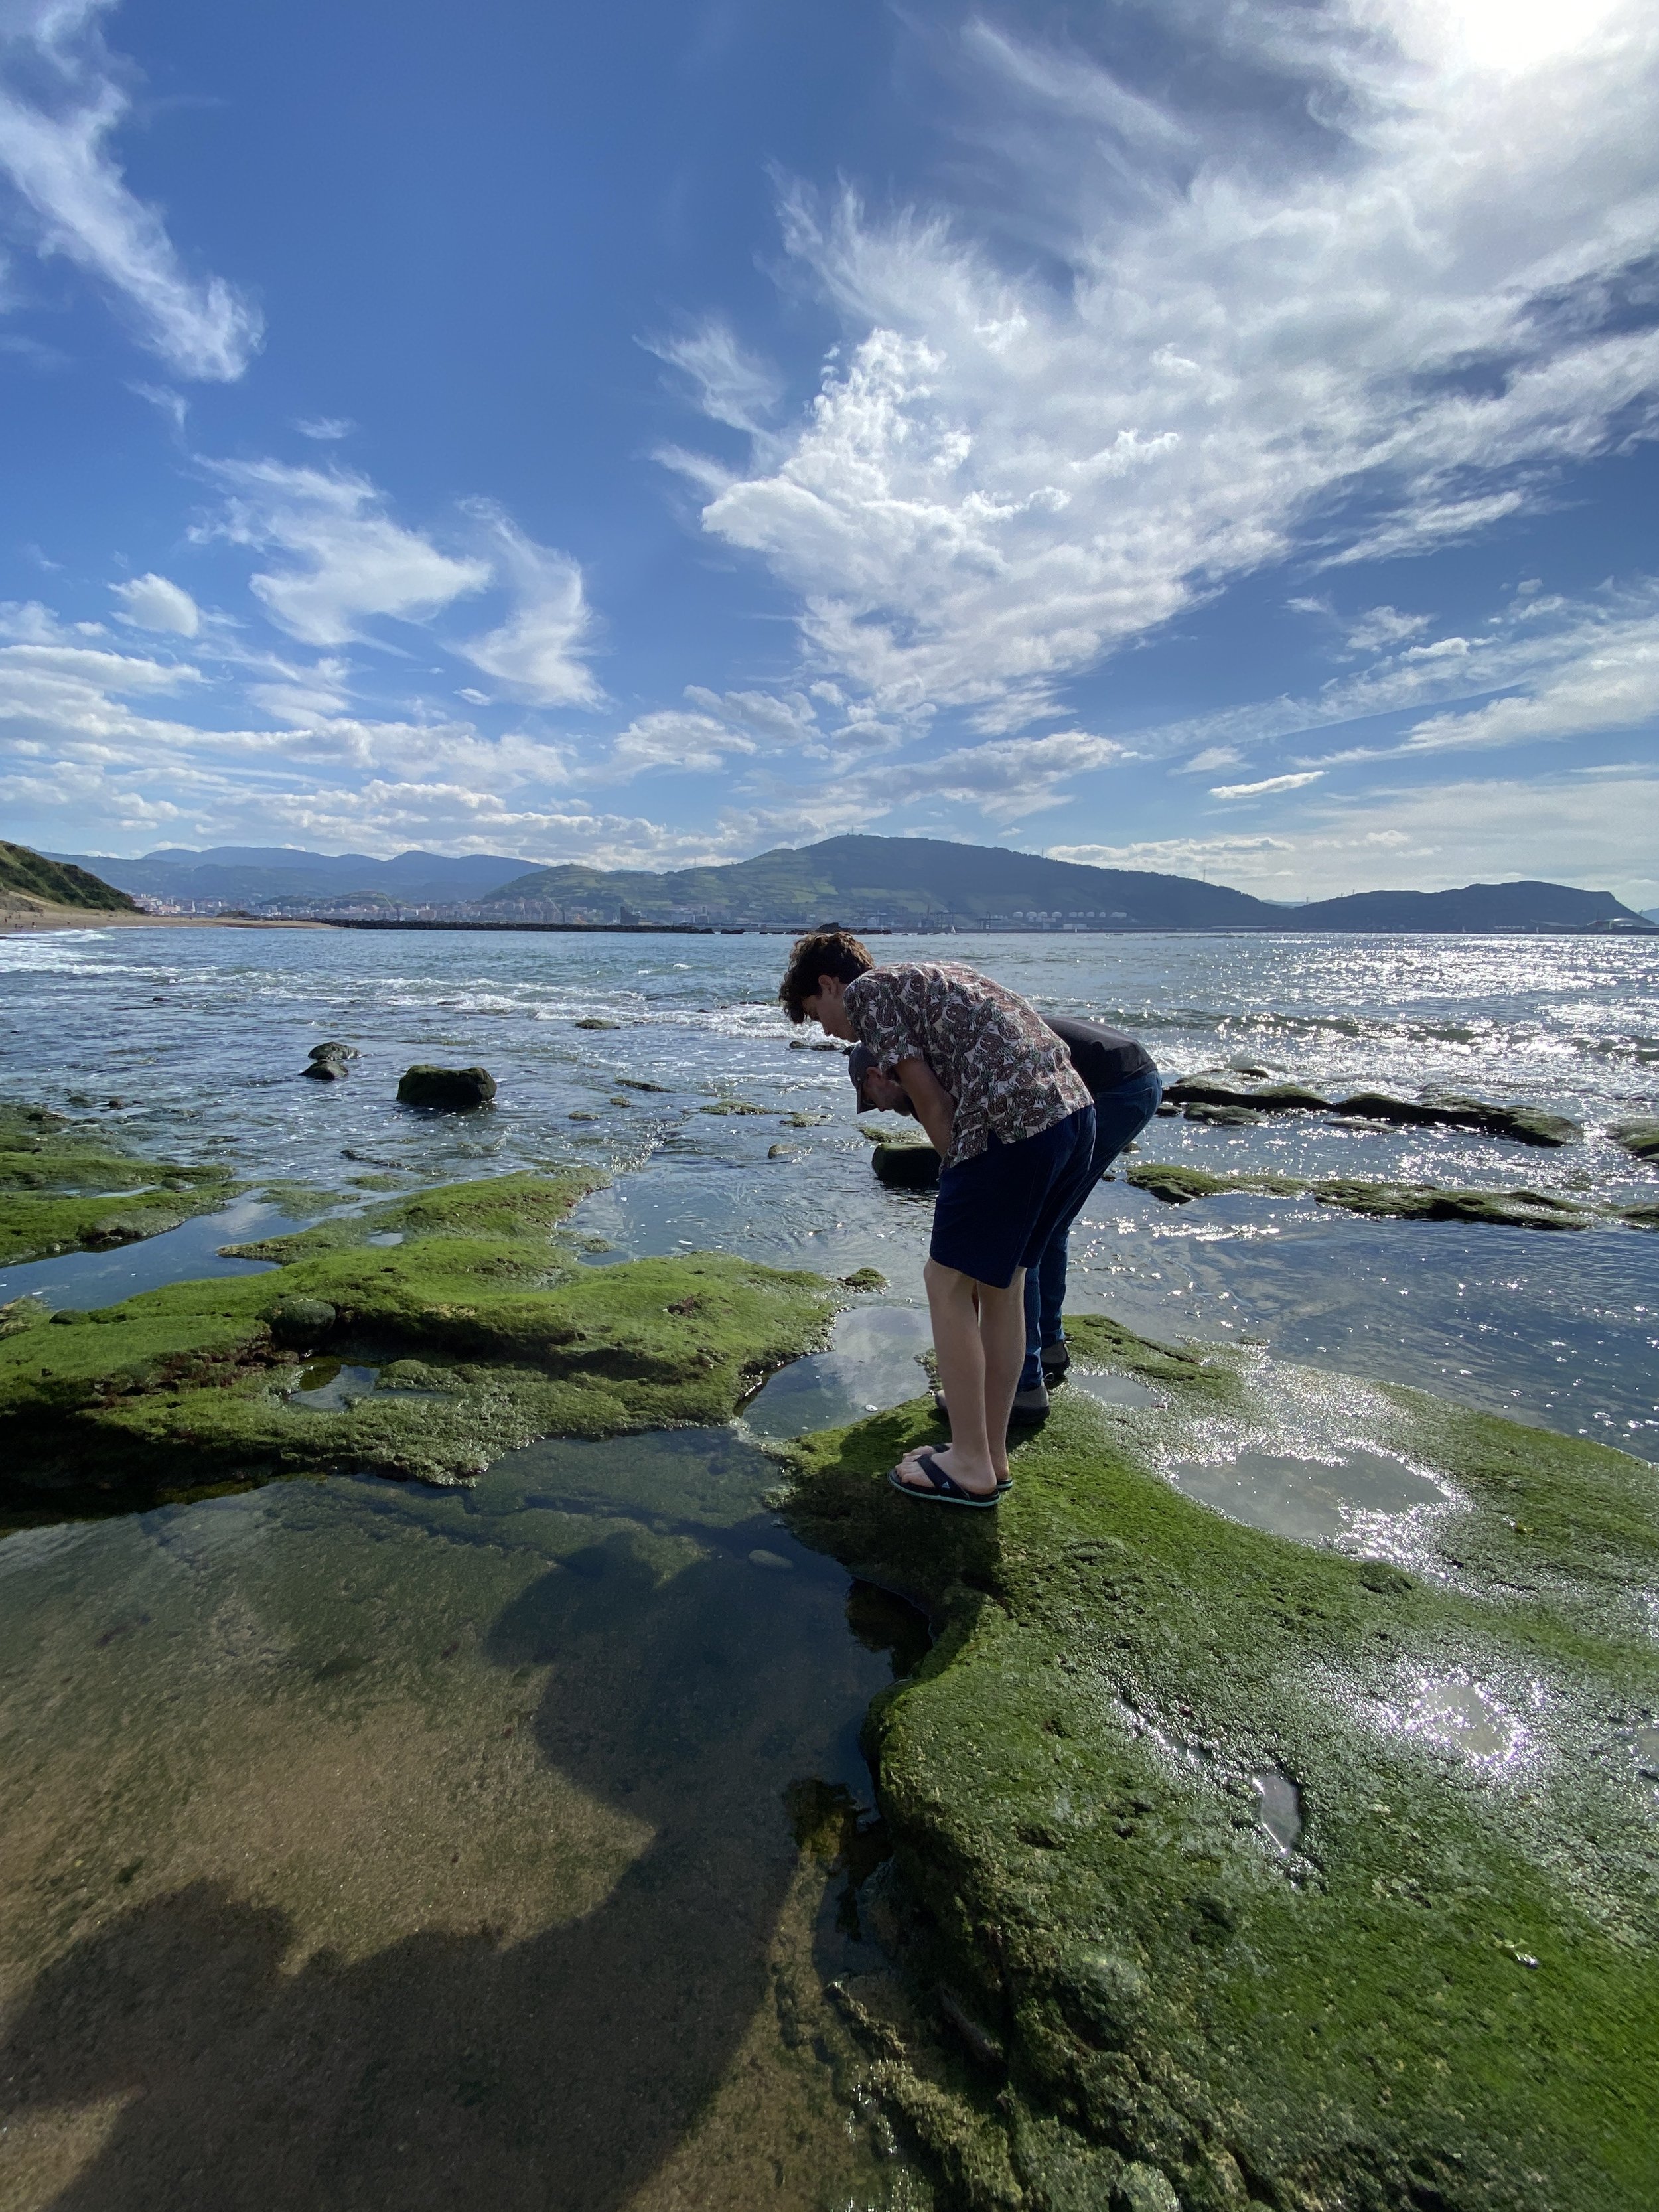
point(66, 1187)
point(1640, 1138)
point(906, 1167)
point(1524, 1125)
point(1245, 1871)
point(1392, 1201)
point(195, 1385)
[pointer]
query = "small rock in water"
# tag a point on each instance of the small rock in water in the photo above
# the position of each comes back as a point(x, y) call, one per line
point(327, 1062)
point(452, 1090)
point(778, 1152)
point(775, 1560)
point(595, 1022)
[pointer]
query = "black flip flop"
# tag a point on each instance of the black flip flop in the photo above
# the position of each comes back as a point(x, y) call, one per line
point(1005, 1482)
point(943, 1490)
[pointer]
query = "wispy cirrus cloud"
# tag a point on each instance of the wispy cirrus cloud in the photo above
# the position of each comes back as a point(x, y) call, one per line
point(61, 102)
point(537, 655)
point(1384, 339)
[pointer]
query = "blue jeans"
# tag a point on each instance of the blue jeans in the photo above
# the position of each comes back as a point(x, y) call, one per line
point(1120, 1116)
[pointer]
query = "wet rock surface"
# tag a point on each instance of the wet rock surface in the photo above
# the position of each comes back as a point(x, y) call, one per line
point(66, 1186)
point(1525, 1125)
point(1397, 1201)
point(1639, 1137)
point(446, 1089)
point(1306, 1874)
point(187, 1387)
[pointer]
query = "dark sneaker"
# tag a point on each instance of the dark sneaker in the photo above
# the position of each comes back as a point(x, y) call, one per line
point(1030, 1407)
point(1056, 1358)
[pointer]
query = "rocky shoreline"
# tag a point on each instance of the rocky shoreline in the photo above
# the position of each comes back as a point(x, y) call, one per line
point(1230, 1871)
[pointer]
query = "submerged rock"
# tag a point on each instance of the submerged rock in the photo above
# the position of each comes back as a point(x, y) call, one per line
point(448, 1090)
point(64, 1187)
point(1439, 1991)
point(179, 1388)
point(1396, 1201)
point(1525, 1125)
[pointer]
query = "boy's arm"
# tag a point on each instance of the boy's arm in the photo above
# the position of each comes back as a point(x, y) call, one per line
point(936, 1110)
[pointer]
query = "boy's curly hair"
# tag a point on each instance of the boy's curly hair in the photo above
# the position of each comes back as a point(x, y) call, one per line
point(830, 950)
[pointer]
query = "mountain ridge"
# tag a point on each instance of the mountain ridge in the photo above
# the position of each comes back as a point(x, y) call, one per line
point(876, 883)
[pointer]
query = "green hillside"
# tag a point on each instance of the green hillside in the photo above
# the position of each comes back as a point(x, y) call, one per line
point(27, 874)
point(897, 881)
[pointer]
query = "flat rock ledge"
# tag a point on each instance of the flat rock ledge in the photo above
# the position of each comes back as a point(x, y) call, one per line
point(1525, 1125)
point(479, 1325)
point(72, 1185)
point(1231, 1871)
point(1393, 1201)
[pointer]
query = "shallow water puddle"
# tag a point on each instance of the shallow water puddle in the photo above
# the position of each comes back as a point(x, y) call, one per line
point(434, 1846)
point(82, 1280)
point(330, 1386)
point(1281, 1807)
point(1112, 1390)
point(873, 1362)
point(1461, 1715)
point(1313, 1500)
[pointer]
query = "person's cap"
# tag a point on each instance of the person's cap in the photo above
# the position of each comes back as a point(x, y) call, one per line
point(861, 1061)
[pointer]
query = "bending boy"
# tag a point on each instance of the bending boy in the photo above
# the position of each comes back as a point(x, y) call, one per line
point(995, 1090)
point(1126, 1086)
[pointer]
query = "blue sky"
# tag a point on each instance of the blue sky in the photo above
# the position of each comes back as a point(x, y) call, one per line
point(1212, 436)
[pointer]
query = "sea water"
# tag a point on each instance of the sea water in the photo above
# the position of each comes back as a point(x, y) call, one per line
point(372, 1845)
point(202, 1035)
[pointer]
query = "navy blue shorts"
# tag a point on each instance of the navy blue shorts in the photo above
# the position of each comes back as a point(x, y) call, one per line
point(996, 1212)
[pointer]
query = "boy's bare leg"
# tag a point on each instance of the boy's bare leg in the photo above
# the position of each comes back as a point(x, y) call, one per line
point(978, 1341)
point(1002, 1334)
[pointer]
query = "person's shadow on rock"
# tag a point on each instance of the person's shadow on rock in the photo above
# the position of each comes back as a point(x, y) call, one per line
point(450, 2069)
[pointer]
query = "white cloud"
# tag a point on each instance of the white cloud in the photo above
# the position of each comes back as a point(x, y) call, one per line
point(153, 603)
point(1001, 480)
point(536, 653)
point(60, 103)
point(1005, 779)
point(1379, 627)
point(1613, 683)
point(734, 387)
point(1268, 783)
point(674, 739)
point(1595, 833)
point(347, 560)
point(325, 429)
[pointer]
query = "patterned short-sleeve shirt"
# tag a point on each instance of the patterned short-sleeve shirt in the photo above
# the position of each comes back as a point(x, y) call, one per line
point(1010, 1075)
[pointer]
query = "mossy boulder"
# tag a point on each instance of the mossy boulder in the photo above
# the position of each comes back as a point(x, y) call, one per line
point(906, 1167)
point(446, 1089)
point(1235, 1871)
point(65, 1186)
point(193, 1385)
